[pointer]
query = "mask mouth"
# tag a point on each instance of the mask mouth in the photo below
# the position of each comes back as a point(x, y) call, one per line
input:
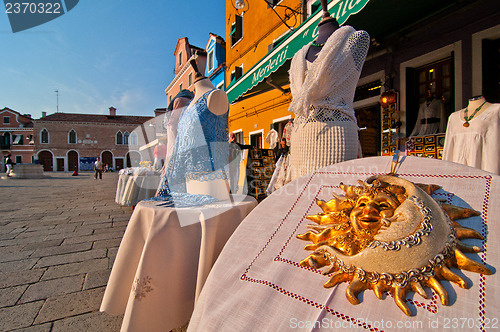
point(368, 220)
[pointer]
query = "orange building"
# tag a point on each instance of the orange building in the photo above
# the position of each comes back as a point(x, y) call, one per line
point(184, 72)
point(252, 33)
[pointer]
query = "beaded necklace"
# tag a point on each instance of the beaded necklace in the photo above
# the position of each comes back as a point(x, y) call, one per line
point(468, 118)
point(317, 45)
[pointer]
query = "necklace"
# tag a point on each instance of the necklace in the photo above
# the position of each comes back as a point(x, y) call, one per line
point(317, 45)
point(468, 118)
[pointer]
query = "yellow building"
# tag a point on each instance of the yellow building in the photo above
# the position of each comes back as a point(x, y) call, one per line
point(252, 33)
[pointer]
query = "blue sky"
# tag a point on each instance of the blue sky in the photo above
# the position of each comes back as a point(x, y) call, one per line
point(102, 53)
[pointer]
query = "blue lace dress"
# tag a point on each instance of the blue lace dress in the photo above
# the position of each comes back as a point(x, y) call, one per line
point(201, 152)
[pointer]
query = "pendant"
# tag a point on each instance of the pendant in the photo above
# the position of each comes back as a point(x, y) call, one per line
point(466, 124)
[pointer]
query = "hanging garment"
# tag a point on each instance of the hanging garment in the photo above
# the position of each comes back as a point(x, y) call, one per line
point(431, 118)
point(272, 138)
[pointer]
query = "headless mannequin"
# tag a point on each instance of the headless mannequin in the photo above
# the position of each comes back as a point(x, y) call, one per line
point(474, 103)
point(326, 28)
point(218, 104)
point(217, 101)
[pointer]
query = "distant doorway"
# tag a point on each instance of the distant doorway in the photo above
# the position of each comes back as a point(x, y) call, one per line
point(45, 159)
point(119, 163)
point(60, 164)
point(72, 161)
point(107, 158)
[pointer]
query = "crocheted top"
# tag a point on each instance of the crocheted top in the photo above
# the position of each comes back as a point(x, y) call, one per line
point(201, 147)
point(330, 81)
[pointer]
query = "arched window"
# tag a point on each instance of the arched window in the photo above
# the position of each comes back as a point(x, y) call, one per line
point(125, 138)
point(133, 138)
point(119, 138)
point(72, 137)
point(44, 136)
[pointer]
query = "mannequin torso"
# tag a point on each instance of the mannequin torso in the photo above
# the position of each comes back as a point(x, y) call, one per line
point(474, 104)
point(325, 29)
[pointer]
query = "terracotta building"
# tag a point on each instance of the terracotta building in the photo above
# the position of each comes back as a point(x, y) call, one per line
point(16, 136)
point(68, 142)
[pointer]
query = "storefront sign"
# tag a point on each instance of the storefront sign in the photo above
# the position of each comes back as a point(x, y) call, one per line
point(340, 9)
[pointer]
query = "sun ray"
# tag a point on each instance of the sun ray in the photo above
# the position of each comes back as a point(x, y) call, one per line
point(465, 263)
point(355, 287)
point(399, 295)
point(434, 284)
point(445, 273)
point(464, 247)
point(468, 233)
point(337, 278)
point(417, 287)
point(457, 212)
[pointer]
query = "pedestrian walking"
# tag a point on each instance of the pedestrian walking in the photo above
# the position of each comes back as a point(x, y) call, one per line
point(98, 166)
point(9, 163)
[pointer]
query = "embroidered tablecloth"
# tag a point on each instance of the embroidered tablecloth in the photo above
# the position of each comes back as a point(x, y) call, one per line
point(164, 259)
point(257, 283)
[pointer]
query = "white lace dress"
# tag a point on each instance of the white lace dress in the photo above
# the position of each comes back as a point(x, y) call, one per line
point(325, 129)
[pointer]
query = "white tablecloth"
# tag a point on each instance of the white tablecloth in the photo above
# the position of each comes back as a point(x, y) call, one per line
point(164, 259)
point(258, 285)
point(132, 188)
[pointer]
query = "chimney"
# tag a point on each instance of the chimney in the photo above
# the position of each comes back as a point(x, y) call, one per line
point(160, 111)
point(44, 114)
point(112, 111)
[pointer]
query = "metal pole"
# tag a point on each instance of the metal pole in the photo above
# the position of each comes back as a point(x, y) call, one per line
point(57, 95)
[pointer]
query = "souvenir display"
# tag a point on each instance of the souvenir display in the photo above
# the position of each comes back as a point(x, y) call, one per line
point(388, 234)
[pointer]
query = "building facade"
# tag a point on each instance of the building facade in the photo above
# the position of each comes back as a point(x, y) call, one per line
point(16, 136)
point(69, 142)
point(448, 49)
point(183, 71)
point(216, 61)
point(259, 96)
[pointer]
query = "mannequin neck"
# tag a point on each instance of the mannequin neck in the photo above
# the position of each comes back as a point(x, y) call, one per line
point(201, 87)
point(476, 102)
point(326, 28)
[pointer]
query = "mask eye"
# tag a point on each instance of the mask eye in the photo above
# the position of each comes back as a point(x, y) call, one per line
point(385, 206)
point(361, 204)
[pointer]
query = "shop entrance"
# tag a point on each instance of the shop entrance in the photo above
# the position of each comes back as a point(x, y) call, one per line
point(369, 136)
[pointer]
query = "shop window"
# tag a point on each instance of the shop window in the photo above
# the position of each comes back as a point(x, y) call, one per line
point(256, 140)
point(72, 137)
point(236, 30)
point(438, 79)
point(236, 73)
point(372, 89)
point(491, 70)
point(44, 136)
point(119, 138)
point(125, 138)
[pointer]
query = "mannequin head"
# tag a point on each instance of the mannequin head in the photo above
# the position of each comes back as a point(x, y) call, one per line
point(184, 95)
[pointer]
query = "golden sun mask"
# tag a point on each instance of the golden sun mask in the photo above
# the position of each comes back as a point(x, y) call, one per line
point(388, 234)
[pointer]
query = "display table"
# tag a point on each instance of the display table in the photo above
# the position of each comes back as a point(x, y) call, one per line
point(165, 257)
point(257, 283)
point(134, 185)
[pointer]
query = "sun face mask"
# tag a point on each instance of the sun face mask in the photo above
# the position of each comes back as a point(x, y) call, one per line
point(388, 234)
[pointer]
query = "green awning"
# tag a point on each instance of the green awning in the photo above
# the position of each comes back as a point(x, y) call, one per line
point(305, 33)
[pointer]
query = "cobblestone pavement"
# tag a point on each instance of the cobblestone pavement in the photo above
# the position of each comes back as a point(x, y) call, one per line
point(58, 240)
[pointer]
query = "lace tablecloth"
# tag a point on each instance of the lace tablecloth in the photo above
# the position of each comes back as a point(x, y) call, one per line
point(164, 259)
point(257, 283)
